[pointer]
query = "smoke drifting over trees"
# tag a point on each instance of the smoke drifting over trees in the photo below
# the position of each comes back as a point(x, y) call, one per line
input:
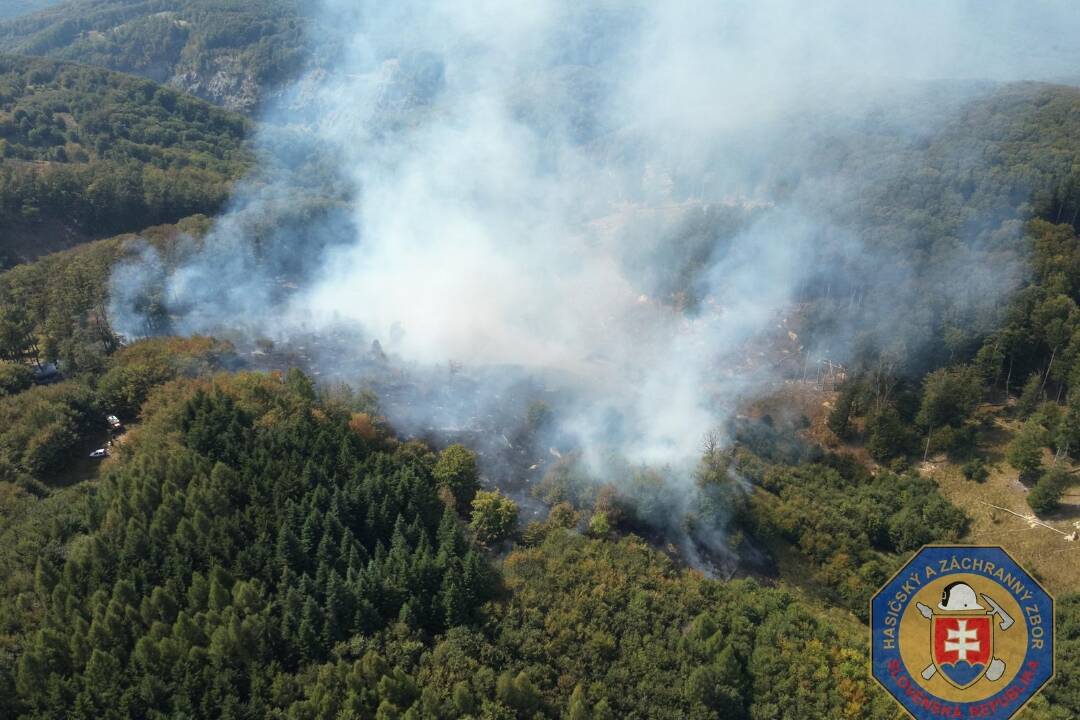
point(616, 199)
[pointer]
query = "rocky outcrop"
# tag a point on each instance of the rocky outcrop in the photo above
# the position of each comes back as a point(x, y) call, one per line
point(228, 84)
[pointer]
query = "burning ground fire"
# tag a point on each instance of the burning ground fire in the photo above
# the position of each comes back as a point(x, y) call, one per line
point(489, 408)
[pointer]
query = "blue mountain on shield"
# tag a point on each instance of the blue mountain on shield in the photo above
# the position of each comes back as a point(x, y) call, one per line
point(963, 673)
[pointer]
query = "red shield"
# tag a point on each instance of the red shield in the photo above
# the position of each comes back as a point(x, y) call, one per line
point(963, 646)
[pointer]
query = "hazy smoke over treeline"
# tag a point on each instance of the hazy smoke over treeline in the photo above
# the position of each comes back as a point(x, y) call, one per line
point(612, 196)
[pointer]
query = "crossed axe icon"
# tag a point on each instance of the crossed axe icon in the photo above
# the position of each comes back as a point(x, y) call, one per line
point(997, 666)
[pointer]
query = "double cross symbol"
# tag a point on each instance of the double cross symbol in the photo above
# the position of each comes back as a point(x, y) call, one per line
point(964, 641)
point(961, 640)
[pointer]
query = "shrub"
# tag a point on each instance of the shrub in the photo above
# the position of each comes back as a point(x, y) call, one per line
point(975, 470)
point(599, 525)
point(1045, 497)
point(14, 377)
point(887, 436)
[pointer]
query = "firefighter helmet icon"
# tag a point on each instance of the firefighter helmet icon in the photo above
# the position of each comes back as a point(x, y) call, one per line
point(962, 631)
point(958, 596)
point(962, 637)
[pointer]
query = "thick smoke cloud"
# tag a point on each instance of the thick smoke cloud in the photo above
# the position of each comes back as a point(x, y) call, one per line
point(603, 196)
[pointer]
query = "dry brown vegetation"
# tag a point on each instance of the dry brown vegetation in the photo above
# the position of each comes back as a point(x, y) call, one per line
point(1055, 560)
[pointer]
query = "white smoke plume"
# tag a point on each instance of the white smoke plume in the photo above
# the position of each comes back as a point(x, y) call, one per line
point(581, 190)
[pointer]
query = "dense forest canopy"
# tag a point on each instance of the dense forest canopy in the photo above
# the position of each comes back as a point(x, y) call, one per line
point(264, 558)
point(229, 52)
point(96, 153)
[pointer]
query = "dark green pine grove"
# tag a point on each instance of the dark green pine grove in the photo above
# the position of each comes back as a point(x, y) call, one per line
point(256, 552)
point(235, 549)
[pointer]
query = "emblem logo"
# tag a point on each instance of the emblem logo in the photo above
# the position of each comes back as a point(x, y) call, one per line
point(962, 631)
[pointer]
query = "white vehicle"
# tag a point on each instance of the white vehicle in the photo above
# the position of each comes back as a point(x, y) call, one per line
point(99, 453)
point(114, 422)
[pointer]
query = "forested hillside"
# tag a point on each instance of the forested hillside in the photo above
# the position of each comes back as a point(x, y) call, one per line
point(258, 552)
point(257, 547)
point(55, 309)
point(214, 527)
point(941, 217)
point(89, 153)
point(229, 52)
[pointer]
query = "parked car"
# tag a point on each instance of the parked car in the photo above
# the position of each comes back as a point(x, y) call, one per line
point(99, 453)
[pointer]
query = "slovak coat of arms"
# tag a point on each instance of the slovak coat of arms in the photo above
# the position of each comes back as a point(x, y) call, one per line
point(962, 631)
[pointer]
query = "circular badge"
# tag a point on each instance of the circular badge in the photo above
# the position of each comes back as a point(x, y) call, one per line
point(962, 631)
